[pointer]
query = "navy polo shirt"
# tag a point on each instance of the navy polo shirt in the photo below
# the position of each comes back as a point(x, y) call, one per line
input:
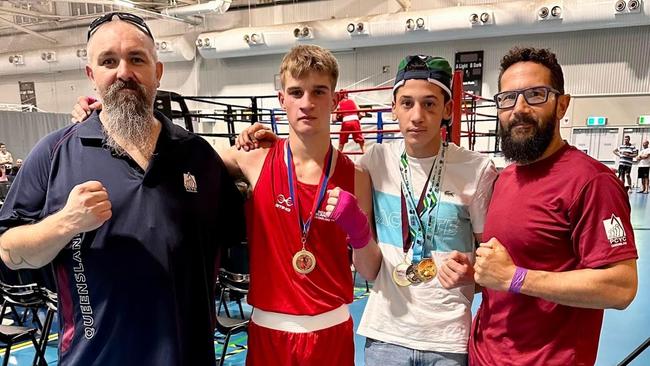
point(140, 289)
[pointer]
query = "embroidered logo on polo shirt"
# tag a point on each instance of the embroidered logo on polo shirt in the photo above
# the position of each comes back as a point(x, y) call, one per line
point(615, 231)
point(190, 182)
point(284, 203)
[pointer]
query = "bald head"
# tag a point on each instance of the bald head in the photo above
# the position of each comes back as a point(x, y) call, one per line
point(120, 30)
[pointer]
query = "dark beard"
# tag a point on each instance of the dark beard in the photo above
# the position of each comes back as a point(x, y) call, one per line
point(129, 116)
point(531, 148)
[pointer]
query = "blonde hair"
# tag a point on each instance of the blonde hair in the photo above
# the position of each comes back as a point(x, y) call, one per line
point(303, 59)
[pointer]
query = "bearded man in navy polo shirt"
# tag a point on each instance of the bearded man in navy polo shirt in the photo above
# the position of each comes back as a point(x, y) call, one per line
point(131, 210)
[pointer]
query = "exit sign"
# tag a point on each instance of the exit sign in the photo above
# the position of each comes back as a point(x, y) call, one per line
point(644, 120)
point(596, 121)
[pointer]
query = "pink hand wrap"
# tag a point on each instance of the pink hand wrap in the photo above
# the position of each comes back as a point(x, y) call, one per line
point(352, 220)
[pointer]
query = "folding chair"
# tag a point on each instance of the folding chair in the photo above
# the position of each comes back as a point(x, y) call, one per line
point(27, 297)
point(31, 298)
point(237, 284)
point(233, 287)
point(11, 334)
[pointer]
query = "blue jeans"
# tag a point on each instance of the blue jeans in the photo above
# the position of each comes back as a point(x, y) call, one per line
point(380, 353)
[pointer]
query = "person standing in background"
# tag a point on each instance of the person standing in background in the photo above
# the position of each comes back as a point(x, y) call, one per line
point(5, 155)
point(626, 153)
point(350, 117)
point(644, 167)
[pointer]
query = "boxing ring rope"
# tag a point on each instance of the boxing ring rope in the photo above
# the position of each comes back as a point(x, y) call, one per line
point(469, 106)
point(467, 111)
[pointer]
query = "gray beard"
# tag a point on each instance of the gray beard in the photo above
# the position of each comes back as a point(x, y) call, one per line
point(129, 118)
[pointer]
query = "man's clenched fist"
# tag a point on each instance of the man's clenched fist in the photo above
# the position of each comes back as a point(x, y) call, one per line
point(88, 207)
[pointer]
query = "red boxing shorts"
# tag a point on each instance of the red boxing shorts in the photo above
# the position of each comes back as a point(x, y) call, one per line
point(352, 125)
point(324, 347)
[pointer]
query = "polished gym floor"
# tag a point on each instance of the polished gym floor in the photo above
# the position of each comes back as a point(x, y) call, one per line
point(622, 331)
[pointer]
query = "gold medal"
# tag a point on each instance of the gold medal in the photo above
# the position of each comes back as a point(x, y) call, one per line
point(304, 261)
point(399, 275)
point(412, 274)
point(426, 269)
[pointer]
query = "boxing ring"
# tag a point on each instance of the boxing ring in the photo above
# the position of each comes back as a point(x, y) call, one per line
point(223, 117)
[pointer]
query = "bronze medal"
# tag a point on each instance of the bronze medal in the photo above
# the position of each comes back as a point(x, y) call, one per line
point(399, 275)
point(304, 261)
point(412, 275)
point(426, 269)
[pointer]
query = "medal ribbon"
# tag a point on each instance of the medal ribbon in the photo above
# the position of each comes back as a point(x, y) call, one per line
point(322, 189)
point(413, 227)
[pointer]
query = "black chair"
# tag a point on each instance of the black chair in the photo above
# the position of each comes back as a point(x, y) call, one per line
point(50, 299)
point(234, 273)
point(11, 334)
point(27, 297)
point(4, 189)
point(232, 287)
point(31, 298)
point(231, 284)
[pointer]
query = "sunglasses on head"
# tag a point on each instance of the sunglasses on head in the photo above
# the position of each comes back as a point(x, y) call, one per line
point(127, 17)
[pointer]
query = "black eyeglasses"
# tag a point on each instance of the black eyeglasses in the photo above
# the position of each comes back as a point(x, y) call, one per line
point(127, 17)
point(533, 96)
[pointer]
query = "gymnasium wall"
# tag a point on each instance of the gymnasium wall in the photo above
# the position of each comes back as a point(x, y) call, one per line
point(600, 62)
point(607, 71)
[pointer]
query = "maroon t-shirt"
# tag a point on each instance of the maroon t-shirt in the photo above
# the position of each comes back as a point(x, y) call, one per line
point(563, 213)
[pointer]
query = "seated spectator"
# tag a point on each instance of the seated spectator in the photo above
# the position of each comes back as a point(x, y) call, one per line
point(5, 156)
point(4, 184)
point(3, 174)
point(15, 168)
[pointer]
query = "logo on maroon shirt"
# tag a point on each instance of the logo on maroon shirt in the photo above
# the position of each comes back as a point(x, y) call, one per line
point(615, 231)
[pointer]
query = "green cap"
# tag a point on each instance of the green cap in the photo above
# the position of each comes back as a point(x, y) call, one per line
point(436, 70)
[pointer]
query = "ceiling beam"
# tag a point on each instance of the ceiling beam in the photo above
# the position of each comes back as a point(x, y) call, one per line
point(31, 13)
point(150, 13)
point(405, 4)
point(26, 30)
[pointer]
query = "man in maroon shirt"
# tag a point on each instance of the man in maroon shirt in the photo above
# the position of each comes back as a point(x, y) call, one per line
point(562, 246)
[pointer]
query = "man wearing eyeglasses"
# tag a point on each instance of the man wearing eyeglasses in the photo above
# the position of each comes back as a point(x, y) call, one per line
point(562, 246)
point(131, 210)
